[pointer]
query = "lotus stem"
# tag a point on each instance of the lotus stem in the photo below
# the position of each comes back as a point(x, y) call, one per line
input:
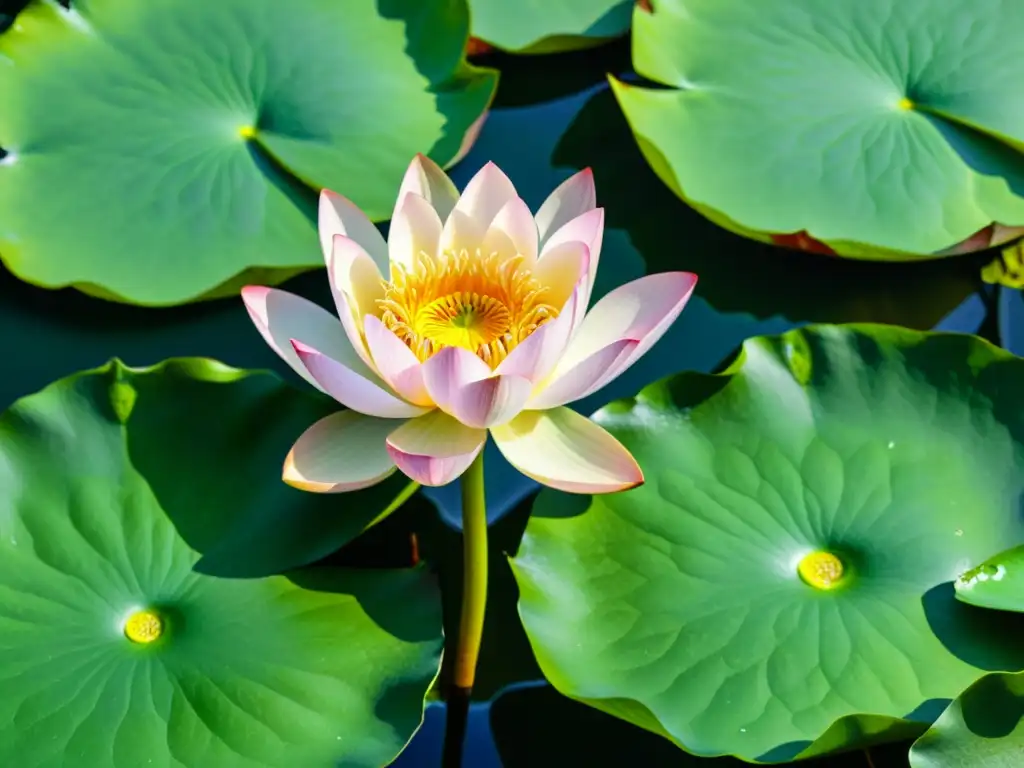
point(474, 604)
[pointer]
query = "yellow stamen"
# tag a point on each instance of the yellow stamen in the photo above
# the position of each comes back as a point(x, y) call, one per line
point(482, 302)
point(144, 627)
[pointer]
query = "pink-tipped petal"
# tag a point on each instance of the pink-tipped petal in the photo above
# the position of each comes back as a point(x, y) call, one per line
point(641, 311)
point(461, 232)
point(562, 269)
point(486, 194)
point(583, 378)
point(572, 198)
point(352, 390)
point(564, 450)
point(462, 385)
point(435, 449)
point(425, 178)
point(587, 228)
point(447, 370)
point(490, 402)
point(536, 356)
point(280, 316)
point(516, 222)
point(396, 363)
point(345, 451)
point(340, 216)
point(415, 229)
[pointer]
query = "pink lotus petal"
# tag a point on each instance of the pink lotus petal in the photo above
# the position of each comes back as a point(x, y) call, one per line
point(345, 451)
point(396, 363)
point(490, 402)
point(571, 199)
point(340, 216)
point(587, 228)
point(516, 222)
point(352, 390)
point(536, 356)
point(425, 178)
point(562, 269)
point(463, 386)
point(584, 378)
point(641, 310)
point(486, 194)
point(564, 450)
point(447, 370)
point(435, 449)
point(415, 229)
point(280, 316)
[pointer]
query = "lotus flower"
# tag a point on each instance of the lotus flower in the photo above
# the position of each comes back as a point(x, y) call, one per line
point(470, 319)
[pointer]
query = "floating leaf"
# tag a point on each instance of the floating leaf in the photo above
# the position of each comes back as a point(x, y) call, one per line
point(997, 583)
point(541, 26)
point(191, 137)
point(782, 583)
point(119, 651)
point(208, 441)
point(981, 729)
point(812, 125)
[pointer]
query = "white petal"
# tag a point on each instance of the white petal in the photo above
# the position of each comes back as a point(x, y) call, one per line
point(425, 178)
point(562, 269)
point(345, 451)
point(280, 316)
point(463, 386)
point(340, 216)
point(564, 450)
point(461, 232)
point(573, 197)
point(486, 194)
point(587, 228)
point(515, 220)
point(415, 229)
point(352, 390)
point(435, 449)
point(356, 285)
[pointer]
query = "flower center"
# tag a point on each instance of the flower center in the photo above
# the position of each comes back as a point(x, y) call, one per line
point(463, 320)
point(484, 303)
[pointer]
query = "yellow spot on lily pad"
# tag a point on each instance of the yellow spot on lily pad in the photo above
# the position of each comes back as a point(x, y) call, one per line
point(247, 132)
point(905, 103)
point(821, 570)
point(144, 627)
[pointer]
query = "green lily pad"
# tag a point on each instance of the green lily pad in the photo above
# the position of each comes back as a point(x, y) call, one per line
point(540, 26)
point(119, 651)
point(997, 583)
point(816, 125)
point(192, 136)
point(208, 441)
point(781, 586)
point(981, 729)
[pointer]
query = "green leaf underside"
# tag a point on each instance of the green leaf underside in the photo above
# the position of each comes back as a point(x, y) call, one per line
point(317, 667)
point(540, 26)
point(678, 605)
point(997, 583)
point(151, 195)
point(786, 116)
point(981, 729)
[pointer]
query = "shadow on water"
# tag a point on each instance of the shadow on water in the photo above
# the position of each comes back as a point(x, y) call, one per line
point(967, 632)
